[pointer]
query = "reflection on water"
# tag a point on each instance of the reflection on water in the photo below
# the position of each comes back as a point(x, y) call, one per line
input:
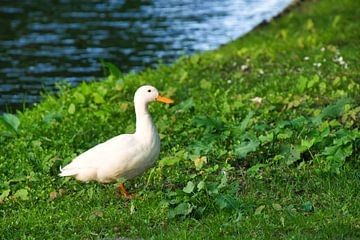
point(44, 42)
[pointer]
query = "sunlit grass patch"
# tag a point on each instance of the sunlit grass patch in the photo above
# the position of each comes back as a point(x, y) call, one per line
point(263, 142)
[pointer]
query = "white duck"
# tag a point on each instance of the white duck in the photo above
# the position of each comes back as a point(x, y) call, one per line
point(124, 156)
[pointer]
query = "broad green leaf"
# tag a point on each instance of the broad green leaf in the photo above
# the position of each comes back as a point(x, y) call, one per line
point(4, 195)
point(301, 84)
point(185, 105)
point(10, 121)
point(246, 147)
point(189, 187)
point(285, 134)
point(313, 81)
point(71, 109)
point(208, 122)
point(21, 194)
point(169, 161)
point(307, 206)
point(52, 116)
point(221, 202)
point(244, 123)
point(223, 182)
point(199, 162)
point(181, 209)
point(164, 203)
point(98, 99)
point(254, 169)
point(213, 189)
point(310, 25)
point(101, 90)
point(266, 139)
point(322, 87)
point(282, 124)
point(336, 155)
point(324, 133)
point(291, 153)
point(291, 207)
point(204, 84)
point(184, 76)
point(336, 109)
point(97, 214)
point(295, 102)
point(278, 158)
point(123, 106)
point(201, 147)
point(306, 144)
point(298, 122)
point(276, 206)
point(85, 89)
point(336, 81)
point(201, 185)
point(79, 98)
point(259, 210)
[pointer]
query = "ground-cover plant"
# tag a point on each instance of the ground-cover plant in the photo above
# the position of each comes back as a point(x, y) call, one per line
point(263, 142)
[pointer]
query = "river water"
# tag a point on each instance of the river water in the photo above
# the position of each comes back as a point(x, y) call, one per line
point(44, 42)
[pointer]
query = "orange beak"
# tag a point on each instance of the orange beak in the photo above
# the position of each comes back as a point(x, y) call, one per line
point(164, 99)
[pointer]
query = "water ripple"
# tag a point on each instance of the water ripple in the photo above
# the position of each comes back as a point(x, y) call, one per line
point(44, 42)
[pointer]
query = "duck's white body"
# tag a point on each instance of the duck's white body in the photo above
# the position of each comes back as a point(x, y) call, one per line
point(127, 155)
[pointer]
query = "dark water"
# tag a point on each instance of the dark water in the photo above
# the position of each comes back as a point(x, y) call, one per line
point(44, 42)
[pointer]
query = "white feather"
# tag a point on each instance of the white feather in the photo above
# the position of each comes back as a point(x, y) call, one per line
point(126, 155)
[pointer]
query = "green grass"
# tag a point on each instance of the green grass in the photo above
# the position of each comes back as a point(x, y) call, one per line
point(287, 168)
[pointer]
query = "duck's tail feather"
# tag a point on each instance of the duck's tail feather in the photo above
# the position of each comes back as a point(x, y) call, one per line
point(67, 172)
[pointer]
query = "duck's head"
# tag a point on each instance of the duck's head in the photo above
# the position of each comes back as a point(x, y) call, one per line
point(148, 93)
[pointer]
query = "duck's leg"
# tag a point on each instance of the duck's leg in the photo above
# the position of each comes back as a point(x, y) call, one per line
point(127, 195)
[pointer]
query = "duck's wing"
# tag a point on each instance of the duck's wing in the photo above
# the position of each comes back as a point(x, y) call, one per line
point(110, 151)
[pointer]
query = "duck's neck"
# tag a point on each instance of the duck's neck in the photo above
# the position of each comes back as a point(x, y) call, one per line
point(145, 128)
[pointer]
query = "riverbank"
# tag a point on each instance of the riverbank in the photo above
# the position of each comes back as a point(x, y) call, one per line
point(262, 142)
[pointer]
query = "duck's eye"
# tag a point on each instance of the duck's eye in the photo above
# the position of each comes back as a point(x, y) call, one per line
point(149, 90)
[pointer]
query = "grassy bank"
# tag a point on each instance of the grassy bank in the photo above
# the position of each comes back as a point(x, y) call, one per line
point(231, 166)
